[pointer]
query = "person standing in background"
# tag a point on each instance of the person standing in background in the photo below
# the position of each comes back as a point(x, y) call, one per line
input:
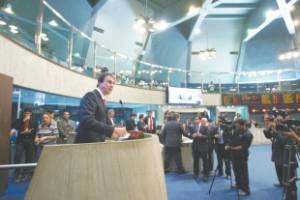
point(141, 125)
point(150, 122)
point(26, 127)
point(65, 127)
point(130, 123)
point(172, 138)
point(111, 116)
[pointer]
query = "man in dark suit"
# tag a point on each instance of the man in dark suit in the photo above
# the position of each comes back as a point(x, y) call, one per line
point(130, 123)
point(172, 138)
point(93, 118)
point(150, 122)
point(199, 134)
point(26, 127)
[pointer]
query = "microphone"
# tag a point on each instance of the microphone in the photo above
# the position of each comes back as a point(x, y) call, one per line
point(123, 112)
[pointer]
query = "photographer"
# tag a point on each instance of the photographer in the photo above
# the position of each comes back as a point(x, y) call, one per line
point(279, 139)
point(222, 134)
point(239, 145)
point(283, 134)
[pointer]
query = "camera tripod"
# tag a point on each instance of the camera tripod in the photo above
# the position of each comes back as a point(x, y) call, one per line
point(231, 185)
point(289, 178)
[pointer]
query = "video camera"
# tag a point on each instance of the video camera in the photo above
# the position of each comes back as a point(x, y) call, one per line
point(289, 125)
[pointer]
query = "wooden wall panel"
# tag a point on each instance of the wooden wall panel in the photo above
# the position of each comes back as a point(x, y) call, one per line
point(128, 170)
point(6, 87)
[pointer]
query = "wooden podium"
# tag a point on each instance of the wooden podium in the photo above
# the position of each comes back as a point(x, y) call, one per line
point(125, 170)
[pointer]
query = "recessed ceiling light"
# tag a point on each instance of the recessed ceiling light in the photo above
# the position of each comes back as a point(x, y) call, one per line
point(45, 39)
point(13, 27)
point(14, 31)
point(8, 9)
point(2, 23)
point(53, 23)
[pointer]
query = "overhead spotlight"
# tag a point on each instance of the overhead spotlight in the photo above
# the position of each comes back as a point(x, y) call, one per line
point(197, 31)
point(270, 13)
point(2, 23)
point(14, 31)
point(8, 9)
point(192, 10)
point(53, 23)
point(12, 27)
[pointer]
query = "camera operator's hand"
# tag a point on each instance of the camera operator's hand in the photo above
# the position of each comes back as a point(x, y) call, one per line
point(293, 134)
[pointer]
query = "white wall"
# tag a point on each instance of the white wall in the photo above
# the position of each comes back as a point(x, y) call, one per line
point(223, 35)
point(117, 18)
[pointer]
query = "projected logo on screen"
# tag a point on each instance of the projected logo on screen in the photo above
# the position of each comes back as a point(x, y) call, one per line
point(184, 96)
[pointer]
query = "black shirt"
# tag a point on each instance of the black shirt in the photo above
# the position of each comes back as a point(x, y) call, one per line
point(243, 139)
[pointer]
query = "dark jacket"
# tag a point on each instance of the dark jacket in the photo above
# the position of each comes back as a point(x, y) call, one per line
point(244, 139)
point(172, 134)
point(141, 126)
point(93, 125)
point(130, 124)
point(199, 144)
point(33, 126)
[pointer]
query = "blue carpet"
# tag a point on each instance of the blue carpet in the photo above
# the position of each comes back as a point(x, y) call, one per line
point(184, 187)
point(262, 177)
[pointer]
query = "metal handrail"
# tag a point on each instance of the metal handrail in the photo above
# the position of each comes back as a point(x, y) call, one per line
point(16, 166)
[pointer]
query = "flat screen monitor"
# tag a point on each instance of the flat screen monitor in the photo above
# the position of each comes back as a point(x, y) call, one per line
point(184, 96)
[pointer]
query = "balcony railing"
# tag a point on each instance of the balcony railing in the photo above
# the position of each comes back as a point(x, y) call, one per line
point(43, 30)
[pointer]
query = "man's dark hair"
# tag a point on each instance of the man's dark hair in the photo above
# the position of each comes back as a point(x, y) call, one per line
point(27, 109)
point(141, 116)
point(103, 75)
point(241, 122)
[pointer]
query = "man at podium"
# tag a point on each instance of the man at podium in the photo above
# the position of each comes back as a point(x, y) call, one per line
point(93, 118)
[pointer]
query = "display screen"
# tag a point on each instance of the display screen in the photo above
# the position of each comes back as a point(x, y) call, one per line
point(184, 96)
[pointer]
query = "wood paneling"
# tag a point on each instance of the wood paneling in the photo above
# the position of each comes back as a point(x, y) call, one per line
point(6, 86)
point(128, 170)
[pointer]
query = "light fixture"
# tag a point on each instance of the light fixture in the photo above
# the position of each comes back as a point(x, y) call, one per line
point(145, 23)
point(53, 23)
point(290, 54)
point(192, 10)
point(8, 9)
point(44, 37)
point(2, 23)
point(207, 53)
point(14, 31)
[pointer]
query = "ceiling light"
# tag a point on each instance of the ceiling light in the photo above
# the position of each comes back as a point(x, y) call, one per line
point(147, 24)
point(2, 23)
point(12, 27)
point(192, 10)
point(296, 22)
point(53, 23)
point(197, 31)
point(14, 31)
point(77, 55)
point(45, 39)
point(269, 13)
point(8, 9)
point(43, 35)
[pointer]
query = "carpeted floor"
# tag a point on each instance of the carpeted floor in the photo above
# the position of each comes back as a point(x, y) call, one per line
point(184, 187)
point(262, 177)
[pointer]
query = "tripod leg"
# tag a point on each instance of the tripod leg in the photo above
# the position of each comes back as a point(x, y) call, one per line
point(213, 180)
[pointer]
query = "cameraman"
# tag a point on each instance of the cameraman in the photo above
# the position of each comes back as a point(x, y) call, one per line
point(222, 134)
point(279, 139)
point(239, 145)
point(283, 153)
